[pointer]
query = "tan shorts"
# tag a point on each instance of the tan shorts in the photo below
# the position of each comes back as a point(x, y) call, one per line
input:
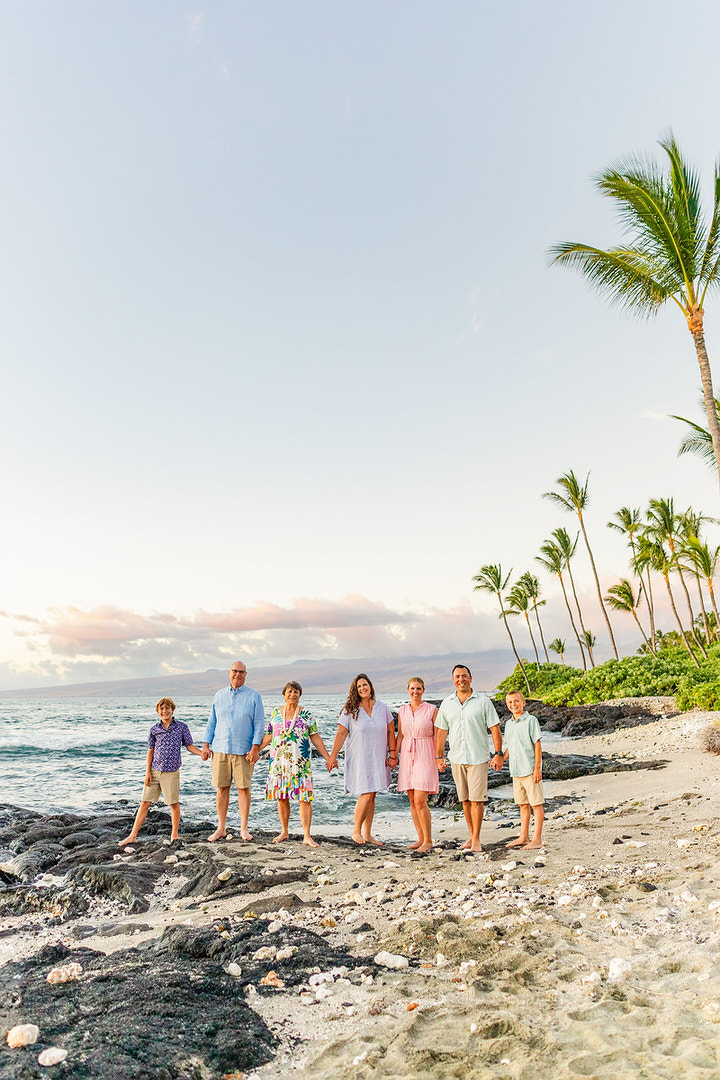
point(229, 767)
point(166, 782)
point(526, 791)
point(471, 781)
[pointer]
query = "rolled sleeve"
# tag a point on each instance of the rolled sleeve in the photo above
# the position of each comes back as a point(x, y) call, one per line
point(211, 725)
point(258, 721)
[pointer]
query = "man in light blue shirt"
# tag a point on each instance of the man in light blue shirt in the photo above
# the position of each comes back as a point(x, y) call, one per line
point(234, 731)
point(466, 718)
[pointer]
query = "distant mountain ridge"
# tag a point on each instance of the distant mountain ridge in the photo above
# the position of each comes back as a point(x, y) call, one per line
point(389, 675)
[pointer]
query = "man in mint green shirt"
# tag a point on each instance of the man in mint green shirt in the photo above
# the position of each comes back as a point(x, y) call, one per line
point(467, 718)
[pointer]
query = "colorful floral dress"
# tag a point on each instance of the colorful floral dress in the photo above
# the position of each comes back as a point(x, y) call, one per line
point(290, 775)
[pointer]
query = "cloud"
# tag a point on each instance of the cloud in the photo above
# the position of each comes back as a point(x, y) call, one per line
point(109, 642)
point(194, 24)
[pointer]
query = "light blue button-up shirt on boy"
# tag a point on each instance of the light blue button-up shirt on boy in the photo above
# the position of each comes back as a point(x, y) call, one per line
point(520, 738)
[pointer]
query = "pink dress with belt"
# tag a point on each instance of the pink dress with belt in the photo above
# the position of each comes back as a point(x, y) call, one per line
point(418, 768)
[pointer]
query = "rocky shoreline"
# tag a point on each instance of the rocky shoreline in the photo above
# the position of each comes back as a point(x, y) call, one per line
point(594, 958)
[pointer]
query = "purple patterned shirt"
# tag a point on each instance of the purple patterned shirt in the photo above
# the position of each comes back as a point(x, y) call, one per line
point(168, 744)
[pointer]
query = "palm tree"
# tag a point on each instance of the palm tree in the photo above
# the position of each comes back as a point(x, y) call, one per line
point(641, 564)
point(568, 548)
point(663, 562)
point(558, 646)
point(698, 440)
point(590, 640)
point(491, 579)
point(621, 597)
point(574, 498)
point(555, 562)
point(665, 526)
point(690, 524)
point(517, 601)
point(672, 252)
point(704, 562)
point(630, 524)
point(531, 585)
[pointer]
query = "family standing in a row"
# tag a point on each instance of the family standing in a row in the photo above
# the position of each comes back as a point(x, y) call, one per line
point(237, 731)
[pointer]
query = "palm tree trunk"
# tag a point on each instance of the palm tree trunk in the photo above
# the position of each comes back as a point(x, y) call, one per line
point(695, 326)
point(706, 624)
point(512, 642)
point(651, 609)
point(666, 575)
point(714, 605)
point(542, 637)
point(537, 658)
point(641, 630)
point(597, 586)
point(579, 611)
point(572, 623)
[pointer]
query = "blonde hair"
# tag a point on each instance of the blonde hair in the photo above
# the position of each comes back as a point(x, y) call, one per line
point(416, 678)
point(165, 701)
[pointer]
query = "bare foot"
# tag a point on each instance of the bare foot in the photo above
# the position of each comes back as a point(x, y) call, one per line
point(372, 840)
point(310, 842)
point(425, 847)
point(245, 835)
point(217, 835)
point(415, 846)
point(534, 845)
point(277, 839)
point(520, 842)
point(357, 838)
point(476, 847)
point(128, 840)
point(466, 846)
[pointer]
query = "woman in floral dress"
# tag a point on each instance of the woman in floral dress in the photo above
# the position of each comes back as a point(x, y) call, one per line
point(289, 734)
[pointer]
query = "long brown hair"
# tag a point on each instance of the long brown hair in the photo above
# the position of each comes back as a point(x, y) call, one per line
point(352, 705)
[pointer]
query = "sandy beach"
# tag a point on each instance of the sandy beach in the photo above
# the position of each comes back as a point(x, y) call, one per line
point(593, 958)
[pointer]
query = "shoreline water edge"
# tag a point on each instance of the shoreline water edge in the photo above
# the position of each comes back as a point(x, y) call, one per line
point(595, 957)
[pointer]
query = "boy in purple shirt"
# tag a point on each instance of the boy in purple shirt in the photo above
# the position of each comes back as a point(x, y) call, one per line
point(162, 772)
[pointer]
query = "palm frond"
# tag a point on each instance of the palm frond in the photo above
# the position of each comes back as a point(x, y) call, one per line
point(625, 275)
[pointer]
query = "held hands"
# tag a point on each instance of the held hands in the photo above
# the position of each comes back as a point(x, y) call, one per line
point(440, 762)
point(331, 763)
point(497, 762)
point(252, 755)
point(206, 751)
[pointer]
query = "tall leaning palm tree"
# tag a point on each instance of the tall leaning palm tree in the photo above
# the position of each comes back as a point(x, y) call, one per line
point(491, 579)
point(666, 527)
point(553, 559)
point(517, 602)
point(672, 250)
point(531, 585)
point(621, 597)
point(573, 497)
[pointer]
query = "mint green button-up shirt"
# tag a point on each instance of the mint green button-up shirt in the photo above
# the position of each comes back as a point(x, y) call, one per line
point(520, 738)
point(468, 724)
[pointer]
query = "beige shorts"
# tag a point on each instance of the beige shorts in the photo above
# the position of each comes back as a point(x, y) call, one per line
point(229, 767)
point(526, 791)
point(471, 781)
point(166, 782)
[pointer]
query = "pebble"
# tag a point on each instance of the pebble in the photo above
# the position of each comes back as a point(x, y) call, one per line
point(286, 953)
point(323, 992)
point(224, 875)
point(52, 1056)
point(267, 952)
point(234, 969)
point(391, 960)
point(618, 969)
point(272, 979)
point(23, 1035)
point(274, 926)
point(66, 973)
point(508, 866)
point(171, 858)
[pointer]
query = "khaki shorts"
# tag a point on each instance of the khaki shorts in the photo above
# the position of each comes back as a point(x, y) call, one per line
point(471, 781)
point(526, 791)
point(229, 767)
point(166, 782)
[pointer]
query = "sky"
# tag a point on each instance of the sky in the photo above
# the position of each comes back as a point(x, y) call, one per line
point(283, 360)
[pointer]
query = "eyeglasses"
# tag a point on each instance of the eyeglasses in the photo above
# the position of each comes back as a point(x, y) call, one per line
point(236, 671)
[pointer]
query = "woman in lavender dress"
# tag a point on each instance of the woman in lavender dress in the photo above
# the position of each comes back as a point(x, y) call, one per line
point(369, 728)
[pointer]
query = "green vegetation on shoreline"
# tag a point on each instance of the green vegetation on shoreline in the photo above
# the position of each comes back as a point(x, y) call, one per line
point(671, 673)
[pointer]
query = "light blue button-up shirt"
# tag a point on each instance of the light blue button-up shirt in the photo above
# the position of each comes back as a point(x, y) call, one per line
point(520, 738)
point(236, 721)
point(467, 724)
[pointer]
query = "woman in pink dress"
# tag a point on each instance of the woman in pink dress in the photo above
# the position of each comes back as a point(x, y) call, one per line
point(418, 773)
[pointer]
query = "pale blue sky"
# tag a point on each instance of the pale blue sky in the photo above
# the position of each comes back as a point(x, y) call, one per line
point(277, 326)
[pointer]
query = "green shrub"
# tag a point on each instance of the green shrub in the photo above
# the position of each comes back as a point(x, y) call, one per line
point(542, 679)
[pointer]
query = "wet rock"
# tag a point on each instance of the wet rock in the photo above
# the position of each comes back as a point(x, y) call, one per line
point(130, 883)
point(33, 860)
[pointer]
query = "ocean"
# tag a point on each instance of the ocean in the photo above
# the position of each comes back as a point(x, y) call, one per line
point(85, 754)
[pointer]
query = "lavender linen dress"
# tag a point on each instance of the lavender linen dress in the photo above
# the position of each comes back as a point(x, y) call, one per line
point(418, 768)
point(366, 749)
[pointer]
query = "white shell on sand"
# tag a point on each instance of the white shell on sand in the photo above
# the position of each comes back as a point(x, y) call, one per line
point(66, 973)
point(266, 953)
point(52, 1056)
point(234, 969)
point(224, 875)
point(391, 960)
point(618, 968)
point(564, 900)
point(286, 953)
point(321, 977)
point(683, 843)
point(323, 992)
point(171, 858)
point(508, 866)
point(23, 1035)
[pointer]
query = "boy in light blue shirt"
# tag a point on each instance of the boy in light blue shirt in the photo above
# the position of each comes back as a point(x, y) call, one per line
point(522, 746)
